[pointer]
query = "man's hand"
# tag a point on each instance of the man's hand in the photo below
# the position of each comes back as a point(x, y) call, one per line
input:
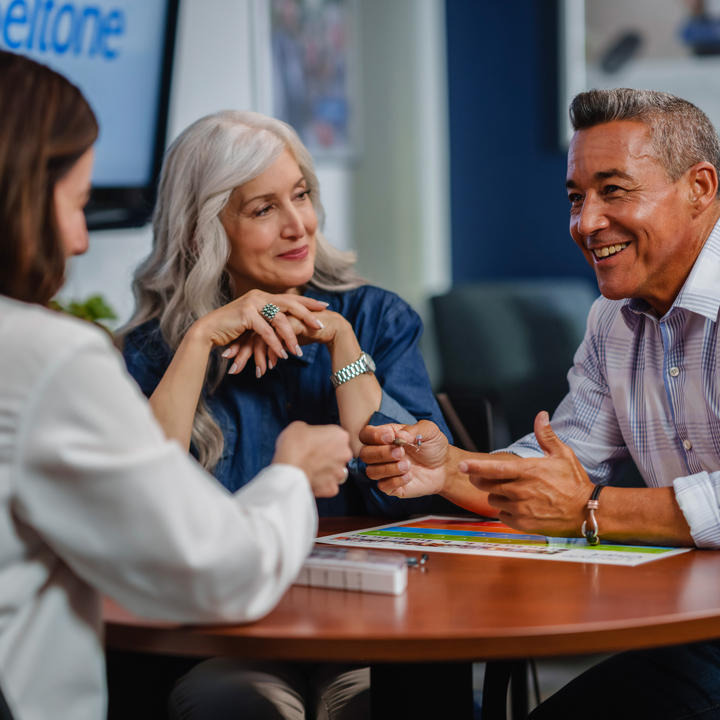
point(545, 495)
point(405, 471)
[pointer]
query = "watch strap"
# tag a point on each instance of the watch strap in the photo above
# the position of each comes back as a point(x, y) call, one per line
point(362, 365)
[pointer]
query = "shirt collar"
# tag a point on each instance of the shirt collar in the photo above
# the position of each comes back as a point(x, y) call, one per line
point(700, 293)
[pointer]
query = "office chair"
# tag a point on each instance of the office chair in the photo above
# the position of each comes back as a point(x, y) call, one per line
point(505, 348)
point(469, 419)
point(511, 342)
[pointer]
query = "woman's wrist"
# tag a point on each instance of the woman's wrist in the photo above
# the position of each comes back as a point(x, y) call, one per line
point(452, 477)
point(344, 347)
point(199, 336)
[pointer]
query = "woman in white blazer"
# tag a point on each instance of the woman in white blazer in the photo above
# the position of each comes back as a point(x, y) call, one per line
point(93, 498)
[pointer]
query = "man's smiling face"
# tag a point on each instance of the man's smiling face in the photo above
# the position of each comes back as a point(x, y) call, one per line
point(627, 216)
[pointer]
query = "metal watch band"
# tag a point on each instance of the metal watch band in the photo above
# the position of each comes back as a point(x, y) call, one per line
point(363, 364)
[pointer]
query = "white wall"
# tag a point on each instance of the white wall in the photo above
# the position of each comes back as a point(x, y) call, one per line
point(390, 202)
point(401, 211)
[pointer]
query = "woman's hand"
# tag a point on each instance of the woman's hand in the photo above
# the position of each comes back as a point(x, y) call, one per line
point(322, 452)
point(357, 399)
point(175, 398)
point(243, 315)
point(432, 468)
point(409, 470)
point(333, 327)
point(325, 327)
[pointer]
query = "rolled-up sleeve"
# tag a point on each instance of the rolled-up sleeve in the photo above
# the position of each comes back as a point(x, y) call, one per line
point(698, 496)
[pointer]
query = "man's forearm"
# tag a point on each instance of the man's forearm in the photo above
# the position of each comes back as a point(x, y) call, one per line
point(647, 515)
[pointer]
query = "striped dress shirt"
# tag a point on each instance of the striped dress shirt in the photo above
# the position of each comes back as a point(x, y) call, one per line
point(649, 389)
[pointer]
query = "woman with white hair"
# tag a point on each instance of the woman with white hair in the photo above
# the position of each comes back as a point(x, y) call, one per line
point(237, 237)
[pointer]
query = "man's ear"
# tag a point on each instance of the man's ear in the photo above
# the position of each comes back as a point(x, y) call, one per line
point(703, 185)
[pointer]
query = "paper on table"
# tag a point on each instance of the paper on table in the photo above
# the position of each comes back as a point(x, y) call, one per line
point(475, 536)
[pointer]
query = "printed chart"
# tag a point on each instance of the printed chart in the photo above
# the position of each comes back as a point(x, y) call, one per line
point(476, 536)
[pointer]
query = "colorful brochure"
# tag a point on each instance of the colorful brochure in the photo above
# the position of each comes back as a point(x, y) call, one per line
point(476, 536)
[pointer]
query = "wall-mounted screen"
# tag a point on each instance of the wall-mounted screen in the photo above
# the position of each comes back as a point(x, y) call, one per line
point(119, 53)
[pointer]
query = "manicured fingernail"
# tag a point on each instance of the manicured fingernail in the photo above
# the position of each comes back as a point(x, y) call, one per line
point(322, 302)
point(284, 355)
point(319, 325)
point(397, 453)
point(386, 438)
point(463, 467)
point(298, 351)
point(233, 369)
point(271, 364)
point(258, 372)
point(403, 465)
point(227, 353)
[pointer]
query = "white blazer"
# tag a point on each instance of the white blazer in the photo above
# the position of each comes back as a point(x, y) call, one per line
point(94, 500)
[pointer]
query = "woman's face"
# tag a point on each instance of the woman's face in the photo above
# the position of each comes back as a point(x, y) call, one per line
point(270, 224)
point(71, 194)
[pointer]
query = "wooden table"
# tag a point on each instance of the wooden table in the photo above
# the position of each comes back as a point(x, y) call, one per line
point(460, 609)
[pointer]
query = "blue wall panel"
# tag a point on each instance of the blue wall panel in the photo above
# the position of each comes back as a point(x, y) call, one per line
point(509, 210)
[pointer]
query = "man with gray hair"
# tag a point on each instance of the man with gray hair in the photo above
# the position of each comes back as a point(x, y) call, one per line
point(642, 182)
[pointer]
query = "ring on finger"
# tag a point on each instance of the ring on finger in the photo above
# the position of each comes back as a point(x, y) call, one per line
point(269, 311)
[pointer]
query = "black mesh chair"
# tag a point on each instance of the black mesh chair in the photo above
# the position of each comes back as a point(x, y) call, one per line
point(505, 348)
point(511, 342)
point(469, 418)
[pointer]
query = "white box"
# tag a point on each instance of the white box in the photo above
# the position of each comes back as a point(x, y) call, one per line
point(355, 569)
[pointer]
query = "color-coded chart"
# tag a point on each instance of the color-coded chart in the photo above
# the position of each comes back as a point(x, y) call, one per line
point(490, 537)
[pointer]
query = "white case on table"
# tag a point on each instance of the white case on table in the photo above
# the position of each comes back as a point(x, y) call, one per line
point(355, 569)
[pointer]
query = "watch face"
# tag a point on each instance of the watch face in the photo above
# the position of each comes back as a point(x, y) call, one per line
point(369, 362)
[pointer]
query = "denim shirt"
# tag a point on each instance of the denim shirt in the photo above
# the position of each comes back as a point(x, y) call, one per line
point(252, 412)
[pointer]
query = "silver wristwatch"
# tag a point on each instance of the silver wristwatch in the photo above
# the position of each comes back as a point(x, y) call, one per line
point(364, 364)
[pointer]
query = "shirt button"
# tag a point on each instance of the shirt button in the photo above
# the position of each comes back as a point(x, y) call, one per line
point(687, 444)
point(674, 371)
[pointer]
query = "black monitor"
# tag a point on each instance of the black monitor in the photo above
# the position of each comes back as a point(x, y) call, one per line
point(119, 53)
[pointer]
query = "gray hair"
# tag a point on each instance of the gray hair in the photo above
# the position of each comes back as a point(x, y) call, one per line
point(185, 275)
point(681, 134)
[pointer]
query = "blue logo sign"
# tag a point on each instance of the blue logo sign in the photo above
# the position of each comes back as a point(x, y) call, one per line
point(49, 27)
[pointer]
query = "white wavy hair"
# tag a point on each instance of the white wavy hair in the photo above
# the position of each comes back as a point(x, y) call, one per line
point(185, 275)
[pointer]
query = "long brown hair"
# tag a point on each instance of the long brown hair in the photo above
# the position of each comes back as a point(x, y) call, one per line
point(45, 126)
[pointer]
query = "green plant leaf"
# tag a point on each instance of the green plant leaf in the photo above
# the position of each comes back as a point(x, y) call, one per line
point(93, 309)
